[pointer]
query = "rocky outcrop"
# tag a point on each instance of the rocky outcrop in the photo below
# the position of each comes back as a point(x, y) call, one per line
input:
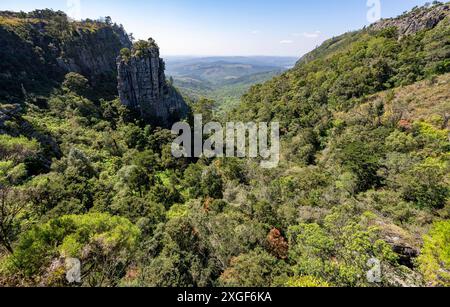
point(423, 18)
point(143, 87)
point(39, 48)
point(93, 53)
point(403, 244)
point(420, 18)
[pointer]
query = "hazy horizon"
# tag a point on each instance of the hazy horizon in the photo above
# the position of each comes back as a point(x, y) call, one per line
point(206, 56)
point(203, 28)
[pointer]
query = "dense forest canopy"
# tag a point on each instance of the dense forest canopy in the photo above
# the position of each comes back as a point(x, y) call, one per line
point(364, 172)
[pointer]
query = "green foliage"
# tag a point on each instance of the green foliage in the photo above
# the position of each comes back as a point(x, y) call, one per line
point(125, 53)
point(181, 260)
point(212, 184)
point(363, 173)
point(337, 252)
point(177, 211)
point(401, 142)
point(203, 182)
point(341, 72)
point(306, 282)
point(435, 258)
point(204, 107)
point(427, 183)
point(436, 139)
point(19, 158)
point(76, 83)
point(143, 48)
point(222, 80)
point(17, 148)
point(255, 269)
point(40, 47)
point(13, 207)
point(100, 241)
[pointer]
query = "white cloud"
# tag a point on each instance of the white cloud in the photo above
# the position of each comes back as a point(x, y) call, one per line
point(315, 34)
point(255, 32)
point(286, 41)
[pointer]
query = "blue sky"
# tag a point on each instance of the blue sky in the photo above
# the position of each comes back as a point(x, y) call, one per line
point(229, 27)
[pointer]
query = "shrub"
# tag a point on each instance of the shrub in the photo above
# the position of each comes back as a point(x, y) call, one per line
point(76, 83)
point(255, 269)
point(17, 148)
point(102, 243)
point(434, 262)
point(306, 282)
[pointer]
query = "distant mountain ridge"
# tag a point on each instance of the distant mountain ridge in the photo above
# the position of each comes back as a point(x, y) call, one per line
point(277, 61)
point(223, 79)
point(220, 69)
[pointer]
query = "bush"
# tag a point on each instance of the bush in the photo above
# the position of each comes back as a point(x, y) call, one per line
point(426, 184)
point(255, 269)
point(17, 148)
point(76, 83)
point(102, 243)
point(306, 282)
point(125, 53)
point(434, 262)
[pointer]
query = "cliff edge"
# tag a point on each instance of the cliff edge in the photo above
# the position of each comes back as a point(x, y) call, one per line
point(143, 87)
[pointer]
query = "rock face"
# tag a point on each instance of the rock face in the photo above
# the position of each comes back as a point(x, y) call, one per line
point(94, 53)
point(423, 18)
point(40, 47)
point(143, 87)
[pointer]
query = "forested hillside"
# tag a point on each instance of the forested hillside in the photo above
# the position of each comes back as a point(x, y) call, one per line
point(40, 47)
point(223, 79)
point(364, 177)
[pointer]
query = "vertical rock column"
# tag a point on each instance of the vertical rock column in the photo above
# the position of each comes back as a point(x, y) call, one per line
point(142, 86)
